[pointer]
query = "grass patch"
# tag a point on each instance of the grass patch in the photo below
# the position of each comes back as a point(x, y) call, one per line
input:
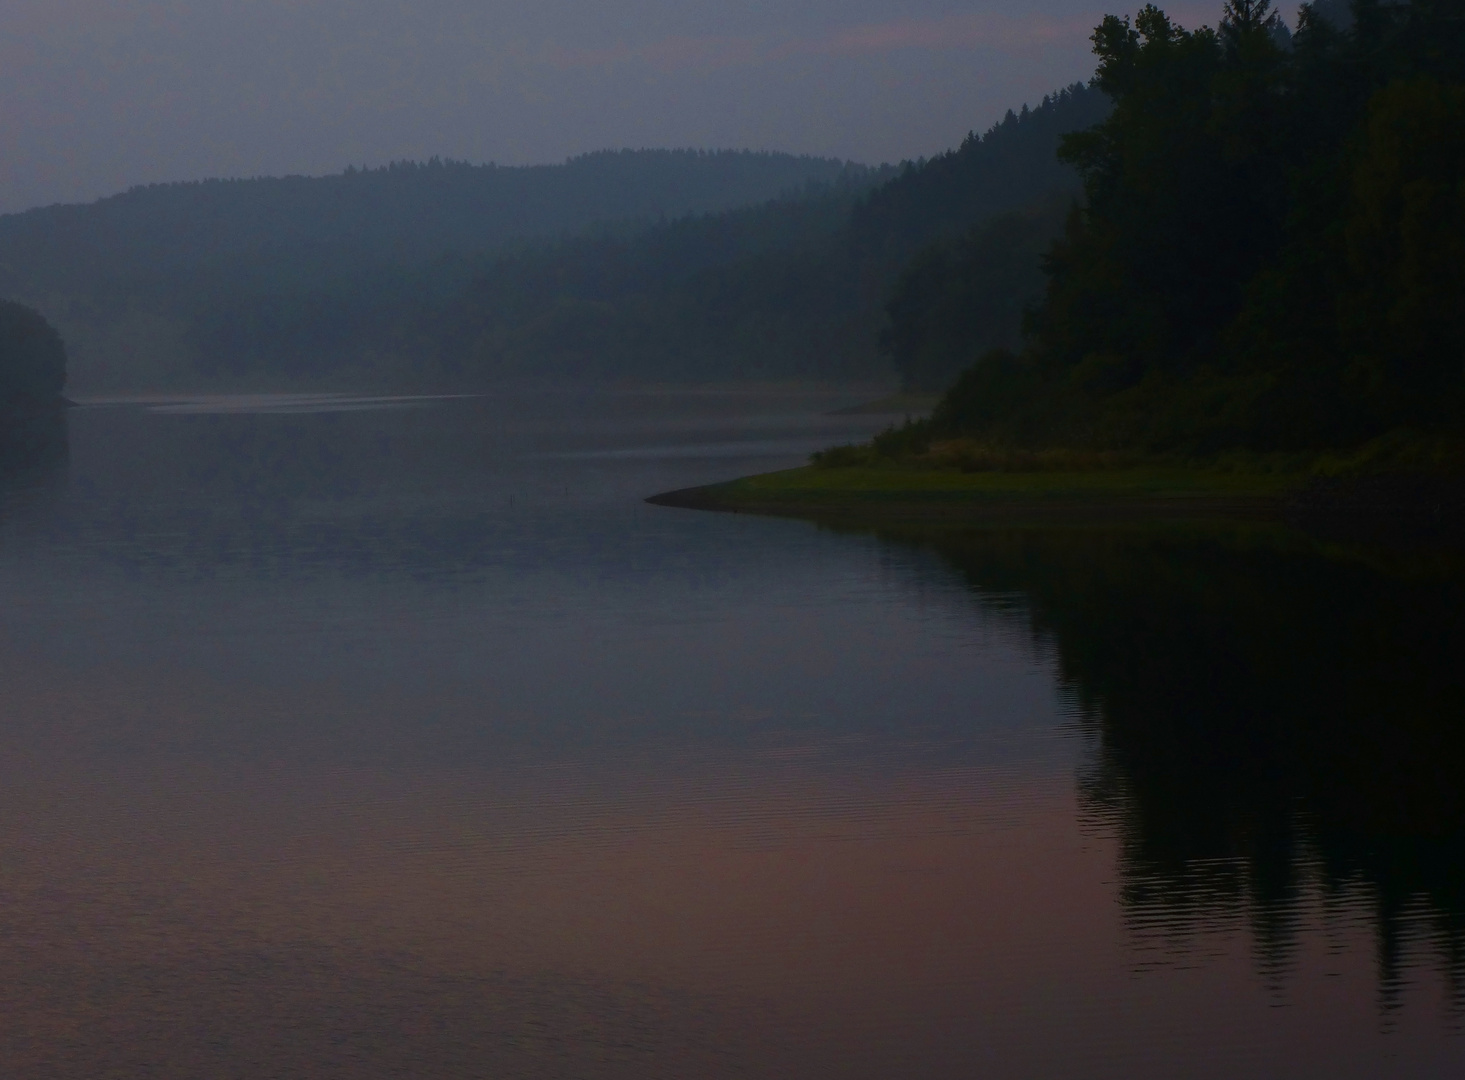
point(879, 483)
point(1402, 479)
point(887, 496)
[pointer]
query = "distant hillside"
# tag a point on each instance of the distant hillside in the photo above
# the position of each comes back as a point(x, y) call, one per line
point(766, 292)
point(1012, 166)
point(793, 288)
point(666, 265)
point(408, 209)
point(146, 283)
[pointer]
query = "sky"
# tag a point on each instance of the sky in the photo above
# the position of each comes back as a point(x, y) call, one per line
point(100, 95)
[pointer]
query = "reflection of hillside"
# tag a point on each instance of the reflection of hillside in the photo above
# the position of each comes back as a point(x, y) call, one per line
point(1270, 714)
point(33, 444)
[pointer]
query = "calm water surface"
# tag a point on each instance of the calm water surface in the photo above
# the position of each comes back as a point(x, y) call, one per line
point(399, 738)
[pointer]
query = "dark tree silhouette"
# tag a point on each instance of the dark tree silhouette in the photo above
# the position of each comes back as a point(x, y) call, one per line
point(32, 358)
point(1269, 254)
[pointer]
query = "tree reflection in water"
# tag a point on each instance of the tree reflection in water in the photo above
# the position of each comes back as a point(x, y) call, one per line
point(34, 448)
point(1279, 721)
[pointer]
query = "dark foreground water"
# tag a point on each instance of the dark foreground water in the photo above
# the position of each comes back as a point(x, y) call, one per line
point(401, 739)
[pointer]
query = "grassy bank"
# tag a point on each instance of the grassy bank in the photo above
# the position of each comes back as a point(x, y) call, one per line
point(902, 494)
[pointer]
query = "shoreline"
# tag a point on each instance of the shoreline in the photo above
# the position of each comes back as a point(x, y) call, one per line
point(891, 495)
point(1385, 507)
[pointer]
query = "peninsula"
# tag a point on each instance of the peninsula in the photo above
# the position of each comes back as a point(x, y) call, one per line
point(1255, 305)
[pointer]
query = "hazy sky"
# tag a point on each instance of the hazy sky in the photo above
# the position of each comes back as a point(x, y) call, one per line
point(97, 95)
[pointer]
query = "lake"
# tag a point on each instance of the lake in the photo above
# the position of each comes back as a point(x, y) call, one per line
point(398, 737)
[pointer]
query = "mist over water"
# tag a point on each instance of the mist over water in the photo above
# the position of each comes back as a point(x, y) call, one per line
point(387, 737)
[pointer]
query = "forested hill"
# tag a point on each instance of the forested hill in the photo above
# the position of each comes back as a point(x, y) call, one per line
point(405, 210)
point(296, 278)
point(1010, 167)
point(1270, 256)
point(792, 289)
point(666, 265)
point(765, 293)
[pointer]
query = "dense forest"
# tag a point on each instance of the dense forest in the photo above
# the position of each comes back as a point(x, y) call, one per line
point(1270, 253)
point(792, 288)
point(404, 209)
point(675, 266)
point(298, 277)
point(1242, 237)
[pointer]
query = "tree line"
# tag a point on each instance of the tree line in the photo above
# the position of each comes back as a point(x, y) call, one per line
point(316, 278)
point(664, 265)
point(1269, 253)
point(793, 288)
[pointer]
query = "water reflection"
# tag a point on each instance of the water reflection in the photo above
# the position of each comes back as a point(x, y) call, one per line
point(1280, 722)
point(32, 444)
point(410, 741)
